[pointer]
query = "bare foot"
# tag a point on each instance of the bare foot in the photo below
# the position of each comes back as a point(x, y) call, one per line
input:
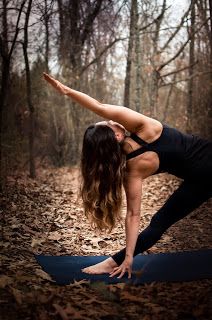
point(105, 266)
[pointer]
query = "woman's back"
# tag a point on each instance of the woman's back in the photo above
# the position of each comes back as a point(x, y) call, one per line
point(183, 155)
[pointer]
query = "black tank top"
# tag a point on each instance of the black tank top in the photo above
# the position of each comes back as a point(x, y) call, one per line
point(183, 155)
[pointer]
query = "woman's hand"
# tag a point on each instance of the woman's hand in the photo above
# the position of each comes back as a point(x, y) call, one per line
point(126, 266)
point(56, 84)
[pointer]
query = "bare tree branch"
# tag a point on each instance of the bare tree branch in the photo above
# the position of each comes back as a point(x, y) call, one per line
point(197, 74)
point(182, 48)
point(177, 28)
point(178, 70)
point(16, 29)
point(101, 54)
point(203, 13)
point(158, 18)
point(89, 20)
point(158, 22)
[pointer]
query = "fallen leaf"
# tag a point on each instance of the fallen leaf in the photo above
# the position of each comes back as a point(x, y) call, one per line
point(55, 236)
point(17, 295)
point(37, 242)
point(61, 311)
point(43, 275)
point(5, 281)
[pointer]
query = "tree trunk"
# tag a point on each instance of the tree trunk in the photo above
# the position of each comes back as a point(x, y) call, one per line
point(6, 55)
point(137, 62)
point(191, 71)
point(32, 173)
point(4, 82)
point(61, 53)
point(3, 95)
point(209, 133)
point(210, 8)
point(46, 36)
point(168, 97)
point(154, 83)
point(153, 93)
point(130, 54)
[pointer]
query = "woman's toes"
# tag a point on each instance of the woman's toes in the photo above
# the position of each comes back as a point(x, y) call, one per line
point(87, 270)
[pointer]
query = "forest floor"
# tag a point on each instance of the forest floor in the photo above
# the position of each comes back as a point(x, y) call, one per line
point(46, 216)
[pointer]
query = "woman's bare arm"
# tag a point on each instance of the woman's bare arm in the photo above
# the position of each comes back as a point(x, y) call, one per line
point(133, 189)
point(130, 119)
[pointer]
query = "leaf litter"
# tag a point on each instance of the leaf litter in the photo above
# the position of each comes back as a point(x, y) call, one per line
point(46, 216)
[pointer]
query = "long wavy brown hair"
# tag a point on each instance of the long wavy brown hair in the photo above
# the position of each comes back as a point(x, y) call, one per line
point(102, 169)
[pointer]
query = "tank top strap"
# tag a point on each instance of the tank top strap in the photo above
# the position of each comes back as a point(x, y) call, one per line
point(136, 153)
point(138, 139)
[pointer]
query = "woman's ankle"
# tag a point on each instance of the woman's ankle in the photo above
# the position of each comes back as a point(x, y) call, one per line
point(112, 262)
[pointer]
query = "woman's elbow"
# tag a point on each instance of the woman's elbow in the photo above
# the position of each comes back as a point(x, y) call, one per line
point(133, 214)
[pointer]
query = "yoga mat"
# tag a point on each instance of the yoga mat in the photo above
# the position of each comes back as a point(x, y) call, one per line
point(177, 266)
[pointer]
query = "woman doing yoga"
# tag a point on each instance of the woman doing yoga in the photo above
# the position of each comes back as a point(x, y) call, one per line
point(112, 159)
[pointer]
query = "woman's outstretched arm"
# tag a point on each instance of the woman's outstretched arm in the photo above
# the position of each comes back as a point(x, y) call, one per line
point(130, 119)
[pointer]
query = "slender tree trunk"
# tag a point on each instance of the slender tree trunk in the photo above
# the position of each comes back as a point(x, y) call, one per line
point(191, 71)
point(29, 96)
point(3, 96)
point(154, 83)
point(137, 62)
point(4, 81)
point(130, 54)
point(168, 97)
point(154, 93)
point(46, 37)
point(61, 39)
point(210, 8)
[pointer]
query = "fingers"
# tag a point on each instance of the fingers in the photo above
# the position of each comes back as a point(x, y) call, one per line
point(129, 274)
point(122, 271)
point(61, 88)
point(55, 83)
point(48, 78)
point(115, 271)
point(46, 75)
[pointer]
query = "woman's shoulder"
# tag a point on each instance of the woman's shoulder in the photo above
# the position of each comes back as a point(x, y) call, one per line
point(143, 166)
point(150, 131)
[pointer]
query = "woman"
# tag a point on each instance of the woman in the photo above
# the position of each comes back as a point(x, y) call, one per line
point(111, 159)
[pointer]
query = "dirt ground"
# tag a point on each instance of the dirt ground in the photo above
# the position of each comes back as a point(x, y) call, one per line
point(46, 216)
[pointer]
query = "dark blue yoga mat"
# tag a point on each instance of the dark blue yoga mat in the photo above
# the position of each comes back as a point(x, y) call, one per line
point(165, 267)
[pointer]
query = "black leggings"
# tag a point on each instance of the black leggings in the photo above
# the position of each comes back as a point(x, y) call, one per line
point(183, 201)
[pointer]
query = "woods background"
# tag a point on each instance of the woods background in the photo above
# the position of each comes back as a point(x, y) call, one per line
point(151, 56)
point(154, 56)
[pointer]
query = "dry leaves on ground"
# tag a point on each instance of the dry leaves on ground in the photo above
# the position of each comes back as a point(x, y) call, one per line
point(45, 215)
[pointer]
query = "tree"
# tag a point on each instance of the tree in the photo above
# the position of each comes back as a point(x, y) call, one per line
point(29, 93)
point(82, 51)
point(133, 22)
point(159, 67)
point(6, 52)
point(191, 69)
